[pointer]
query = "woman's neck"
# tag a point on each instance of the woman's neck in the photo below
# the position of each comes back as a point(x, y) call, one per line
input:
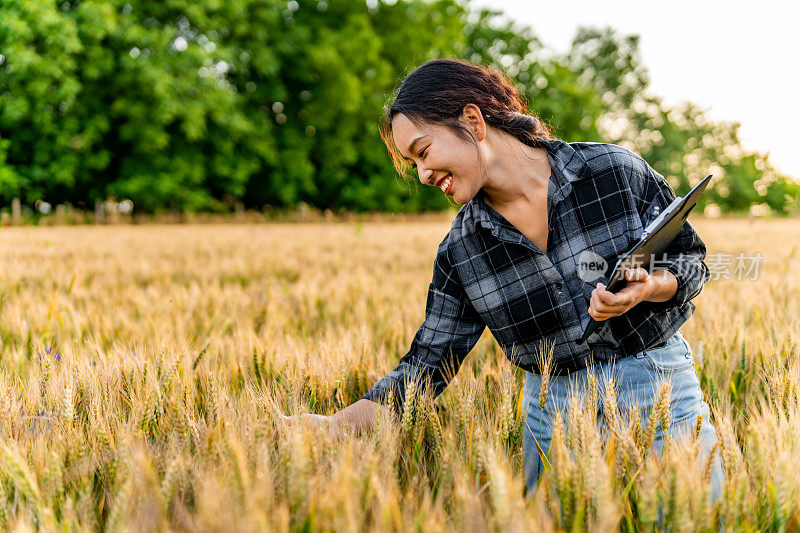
point(517, 173)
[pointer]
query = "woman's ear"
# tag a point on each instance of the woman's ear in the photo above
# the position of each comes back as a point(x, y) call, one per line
point(473, 118)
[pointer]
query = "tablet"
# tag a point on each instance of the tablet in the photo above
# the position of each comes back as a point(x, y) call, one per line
point(655, 239)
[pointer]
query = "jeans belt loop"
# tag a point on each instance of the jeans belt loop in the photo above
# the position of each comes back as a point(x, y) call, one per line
point(656, 346)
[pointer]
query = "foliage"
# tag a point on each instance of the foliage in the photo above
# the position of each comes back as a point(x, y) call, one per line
point(207, 105)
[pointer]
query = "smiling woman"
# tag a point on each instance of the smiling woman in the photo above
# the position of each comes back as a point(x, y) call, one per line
point(430, 128)
point(532, 207)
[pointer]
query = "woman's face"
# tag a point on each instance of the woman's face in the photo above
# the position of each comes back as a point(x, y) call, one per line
point(442, 159)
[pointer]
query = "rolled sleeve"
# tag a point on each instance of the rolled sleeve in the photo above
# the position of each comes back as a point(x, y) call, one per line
point(450, 330)
point(685, 255)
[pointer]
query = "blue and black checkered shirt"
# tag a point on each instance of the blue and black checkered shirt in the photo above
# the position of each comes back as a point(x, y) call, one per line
point(487, 273)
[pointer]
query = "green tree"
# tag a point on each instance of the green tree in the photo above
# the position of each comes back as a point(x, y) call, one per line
point(549, 86)
point(102, 97)
point(39, 84)
point(679, 142)
point(200, 105)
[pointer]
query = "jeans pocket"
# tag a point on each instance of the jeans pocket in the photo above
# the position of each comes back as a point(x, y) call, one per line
point(674, 357)
point(675, 339)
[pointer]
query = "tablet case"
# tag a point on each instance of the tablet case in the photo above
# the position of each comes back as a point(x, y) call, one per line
point(654, 240)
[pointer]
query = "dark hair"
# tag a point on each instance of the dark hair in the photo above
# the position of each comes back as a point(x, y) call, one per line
point(436, 93)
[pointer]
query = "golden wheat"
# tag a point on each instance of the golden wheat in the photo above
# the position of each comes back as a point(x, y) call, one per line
point(143, 369)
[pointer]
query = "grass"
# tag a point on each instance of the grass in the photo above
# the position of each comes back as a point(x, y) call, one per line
point(143, 368)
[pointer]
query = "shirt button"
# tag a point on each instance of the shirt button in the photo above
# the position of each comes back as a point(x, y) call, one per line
point(559, 286)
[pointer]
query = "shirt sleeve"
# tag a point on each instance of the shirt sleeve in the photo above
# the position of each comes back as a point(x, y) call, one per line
point(450, 330)
point(685, 255)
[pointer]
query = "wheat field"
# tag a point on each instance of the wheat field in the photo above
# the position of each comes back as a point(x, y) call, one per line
point(143, 369)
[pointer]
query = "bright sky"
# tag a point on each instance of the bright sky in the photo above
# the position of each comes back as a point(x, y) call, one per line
point(740, 59)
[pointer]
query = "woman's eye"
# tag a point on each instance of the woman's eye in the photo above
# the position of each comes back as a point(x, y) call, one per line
point(422, 155)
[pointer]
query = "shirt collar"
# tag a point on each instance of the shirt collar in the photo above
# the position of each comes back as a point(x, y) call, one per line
point(567, 165)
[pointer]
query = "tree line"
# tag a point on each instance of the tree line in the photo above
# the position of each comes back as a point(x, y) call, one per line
point(206, 106)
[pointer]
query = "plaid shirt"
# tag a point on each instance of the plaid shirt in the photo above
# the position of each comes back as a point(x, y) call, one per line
point(487, 273)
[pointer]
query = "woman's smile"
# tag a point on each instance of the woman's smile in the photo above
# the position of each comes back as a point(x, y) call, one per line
point(445, 183)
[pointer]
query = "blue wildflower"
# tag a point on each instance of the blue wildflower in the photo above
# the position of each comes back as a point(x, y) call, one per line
point(49, 350)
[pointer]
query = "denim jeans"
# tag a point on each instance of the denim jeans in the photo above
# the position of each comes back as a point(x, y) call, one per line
point(635, 378)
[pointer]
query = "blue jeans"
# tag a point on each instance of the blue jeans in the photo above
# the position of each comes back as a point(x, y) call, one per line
point(635, 378)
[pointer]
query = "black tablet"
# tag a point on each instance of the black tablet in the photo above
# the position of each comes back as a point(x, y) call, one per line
point(655, 239)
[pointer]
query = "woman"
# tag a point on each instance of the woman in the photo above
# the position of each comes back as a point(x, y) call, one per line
point(536, 212)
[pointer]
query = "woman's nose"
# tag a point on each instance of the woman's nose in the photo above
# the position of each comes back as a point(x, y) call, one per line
point(424, 175)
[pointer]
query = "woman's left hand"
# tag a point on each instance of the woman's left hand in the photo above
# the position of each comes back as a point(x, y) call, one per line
point(638, 288)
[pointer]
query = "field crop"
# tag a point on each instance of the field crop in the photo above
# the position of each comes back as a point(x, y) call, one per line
point(143, 369)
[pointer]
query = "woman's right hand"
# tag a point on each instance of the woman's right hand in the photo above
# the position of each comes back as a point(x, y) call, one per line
point(311, 419)
point(357, 417)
